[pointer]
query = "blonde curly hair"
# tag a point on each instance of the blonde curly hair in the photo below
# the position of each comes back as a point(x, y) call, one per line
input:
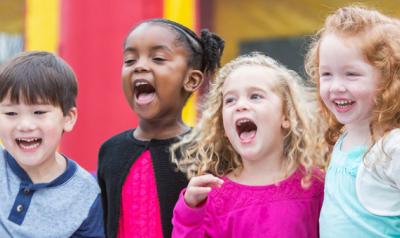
point(378, 37)
point(206, 149)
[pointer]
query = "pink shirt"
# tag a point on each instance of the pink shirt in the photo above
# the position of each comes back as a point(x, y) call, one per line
point(140, 211)
point(235, 210)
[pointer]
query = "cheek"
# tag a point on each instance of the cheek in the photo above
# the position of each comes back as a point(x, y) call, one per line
point(324, 92)
point(367, 96)
point(127, 89)
point(226, 122)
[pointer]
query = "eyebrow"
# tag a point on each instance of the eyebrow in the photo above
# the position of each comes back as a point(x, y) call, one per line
point(8, 104)
point(153, 48)
point(11, 104)
point(251, 88)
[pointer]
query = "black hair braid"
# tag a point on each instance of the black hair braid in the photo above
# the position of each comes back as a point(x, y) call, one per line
point(213, 47)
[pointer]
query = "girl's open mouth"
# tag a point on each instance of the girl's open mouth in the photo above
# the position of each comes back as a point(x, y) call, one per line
point(246, 130)
point(144, 92)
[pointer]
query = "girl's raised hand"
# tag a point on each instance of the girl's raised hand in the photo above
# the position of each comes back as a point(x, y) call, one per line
point(199, 187)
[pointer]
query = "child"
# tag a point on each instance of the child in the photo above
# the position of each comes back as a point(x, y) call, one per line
point(355, 60)
point(257, 133)
point(164, 62)
point(43, 193)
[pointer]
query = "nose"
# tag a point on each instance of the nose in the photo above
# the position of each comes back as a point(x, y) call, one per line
point(337, 85)
point(141, 65)
point(26, 124)
point(242, 105)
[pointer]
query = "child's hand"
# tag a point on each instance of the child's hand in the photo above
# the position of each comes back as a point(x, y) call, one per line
point(199, 187)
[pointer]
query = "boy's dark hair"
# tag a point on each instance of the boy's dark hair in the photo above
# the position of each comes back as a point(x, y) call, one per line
point(39, 77)
point(206, 49)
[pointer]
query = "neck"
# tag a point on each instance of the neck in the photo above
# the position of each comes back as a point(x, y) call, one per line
point(48, 171)
point(357, 134)
point(160, 129)
point(266, 171)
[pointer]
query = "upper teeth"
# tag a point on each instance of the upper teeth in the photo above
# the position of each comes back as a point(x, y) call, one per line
point(28, 139)
point(240, 121)
point(140, 83)
point(343, 102)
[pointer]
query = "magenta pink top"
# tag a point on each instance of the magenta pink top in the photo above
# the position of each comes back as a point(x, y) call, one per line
point(235, 210)
point(140, 211)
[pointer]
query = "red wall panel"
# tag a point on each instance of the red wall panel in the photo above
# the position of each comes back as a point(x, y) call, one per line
point(91, 40)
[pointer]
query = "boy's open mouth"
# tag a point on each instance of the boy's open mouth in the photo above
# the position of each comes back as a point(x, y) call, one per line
point(246, 129)
point(28, 143)
point(144, 91)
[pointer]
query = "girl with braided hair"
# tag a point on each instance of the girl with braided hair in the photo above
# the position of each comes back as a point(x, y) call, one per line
point(164, 63)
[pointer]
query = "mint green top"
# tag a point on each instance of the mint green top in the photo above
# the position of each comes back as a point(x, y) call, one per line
point(342, 214)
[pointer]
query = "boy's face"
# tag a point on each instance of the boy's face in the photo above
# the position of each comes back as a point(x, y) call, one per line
point(32, 133)
point(154, 71)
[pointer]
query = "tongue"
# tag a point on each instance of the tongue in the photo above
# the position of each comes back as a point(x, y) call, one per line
point(247, 135)
point(145, 98)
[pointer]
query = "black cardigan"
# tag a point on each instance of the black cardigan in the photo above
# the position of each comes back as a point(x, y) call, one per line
point(116, 157)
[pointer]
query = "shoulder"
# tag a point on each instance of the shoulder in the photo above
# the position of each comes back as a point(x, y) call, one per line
point(118, 145)
point(318, 176)
point(317, 181)
point(120, 138)
point(391, 142)
point(296, 187)
point(83, 180)
point(386, 149)
point(2, 152)
point(377, 178)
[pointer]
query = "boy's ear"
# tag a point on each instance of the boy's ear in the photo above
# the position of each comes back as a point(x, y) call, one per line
point(70, 119)
point(193, 80)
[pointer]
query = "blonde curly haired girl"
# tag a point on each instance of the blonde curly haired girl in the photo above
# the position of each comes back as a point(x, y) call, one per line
point(253, 156)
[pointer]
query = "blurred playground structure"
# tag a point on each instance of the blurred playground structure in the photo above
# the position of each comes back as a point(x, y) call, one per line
point(89, 35)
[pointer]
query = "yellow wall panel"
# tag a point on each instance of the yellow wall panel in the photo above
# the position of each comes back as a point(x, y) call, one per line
point(263, 19)
point(11, 16)
point(42, 25)
point(183, 11)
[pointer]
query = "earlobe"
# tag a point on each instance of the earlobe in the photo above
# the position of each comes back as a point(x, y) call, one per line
point(70, 119)
point(285, 124)
point(193, 81)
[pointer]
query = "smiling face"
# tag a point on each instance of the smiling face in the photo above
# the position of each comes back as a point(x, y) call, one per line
point(348, 83)
point(32, 133)
point(252, 113)
point(154, 71)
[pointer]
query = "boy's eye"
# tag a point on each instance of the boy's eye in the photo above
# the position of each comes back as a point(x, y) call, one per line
point(10, 113)
point(39, 112)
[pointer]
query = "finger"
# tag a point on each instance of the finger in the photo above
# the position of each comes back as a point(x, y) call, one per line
point(196, 195)
point(198, 191)
point(205, 181)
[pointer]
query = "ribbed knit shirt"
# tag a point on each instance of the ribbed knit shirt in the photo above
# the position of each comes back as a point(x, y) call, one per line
point(140, 212)
point(283, 210)
point(116, 158)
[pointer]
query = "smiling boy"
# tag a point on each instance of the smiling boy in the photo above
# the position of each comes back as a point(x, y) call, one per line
point(43, 193)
